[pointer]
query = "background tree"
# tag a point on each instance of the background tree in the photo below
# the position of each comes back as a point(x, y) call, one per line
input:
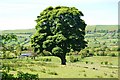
point(8, 43)
point(59, 30)
point(18, 50)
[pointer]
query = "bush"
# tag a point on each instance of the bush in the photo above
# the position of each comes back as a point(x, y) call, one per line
point(91, 62)
point(106, 62)
point(86, 62)
point(46, 59)
point(101, 62)
point(102, 53)
point(85, 53)
point(99, 77)
point(46, 53)
point(113, 55)
point(6, 76)
point(20, 76)
point(85, 75)
point(73, 59)
point(111, 64)
point(26, 76)
point(43, 70)
point(53, 73)
point(98, 54)
point(83, 70)
point(111, 75)
point(95, 53)
point(6, 67)
point(91, 52)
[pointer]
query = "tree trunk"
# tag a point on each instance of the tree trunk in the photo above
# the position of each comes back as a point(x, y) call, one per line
point(63, 60)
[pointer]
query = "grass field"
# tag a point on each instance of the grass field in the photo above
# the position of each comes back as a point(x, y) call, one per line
point(88, 67)
point(100, 67)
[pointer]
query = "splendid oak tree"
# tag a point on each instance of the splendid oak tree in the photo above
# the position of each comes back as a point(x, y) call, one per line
point(59, 30)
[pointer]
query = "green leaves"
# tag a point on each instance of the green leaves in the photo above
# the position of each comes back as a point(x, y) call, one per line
point(47, 44)
point(57, 51)
point(9, 37)
point(60, 38)
point(9, 42)
point(58, 30)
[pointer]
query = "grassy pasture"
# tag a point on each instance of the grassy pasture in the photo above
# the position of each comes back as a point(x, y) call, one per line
point(52, 69)
point(19, 31)
point(89, 67)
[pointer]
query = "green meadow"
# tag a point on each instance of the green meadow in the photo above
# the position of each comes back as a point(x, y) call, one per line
point(98, 60)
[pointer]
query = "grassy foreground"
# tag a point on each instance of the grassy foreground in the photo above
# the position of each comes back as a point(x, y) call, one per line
point(49, 67)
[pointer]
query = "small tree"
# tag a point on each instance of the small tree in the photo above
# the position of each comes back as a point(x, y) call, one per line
point(59, 30)
point(18, 50)
point(8, 43)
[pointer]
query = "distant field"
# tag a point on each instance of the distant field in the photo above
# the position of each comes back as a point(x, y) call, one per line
point(19, 31)
point(110, 38)
point(95, 38)
point(102, 27)
point(89, 27)
point(102, 43)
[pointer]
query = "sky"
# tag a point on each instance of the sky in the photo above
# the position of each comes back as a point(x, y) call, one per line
point(21, 14)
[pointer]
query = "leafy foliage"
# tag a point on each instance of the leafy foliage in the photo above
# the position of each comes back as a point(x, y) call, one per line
point(8, 44)
point(74, 59)
point(20, 76)
point(59, 30)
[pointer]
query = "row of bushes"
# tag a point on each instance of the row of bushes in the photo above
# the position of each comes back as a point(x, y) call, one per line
point(49, 72)
point(74, 59)
point(88, 53)
point(45, 59)
point(20, 76)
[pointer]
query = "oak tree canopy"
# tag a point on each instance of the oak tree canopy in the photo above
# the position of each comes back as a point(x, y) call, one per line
point(58, 31)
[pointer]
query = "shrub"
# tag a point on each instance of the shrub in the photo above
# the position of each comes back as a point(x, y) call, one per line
point(102, 53)
point(46, 53)
point(46, 59)
point(86, 62)
point(82, 56)
point(83, 70)
point(91, 52)
point(32, 69)
point(111, 64)
point(105, 74)
point(95, 53)
point(99, 76)
point(43, 70)
point(113, 55)
point(6, 76)
point(91, 62)
point(73, 59)
point(85, 75)
point(106, 62)
point(6, 67)
point(118, 49)
point(53, 73)
point(26, 76)
point(85, 53)
point(111, 75)
point(13, 69)
point(101, 62)
point(98, 54)
point(20, 76)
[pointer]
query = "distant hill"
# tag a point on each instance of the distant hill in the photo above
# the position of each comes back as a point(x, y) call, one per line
point(102, 27)
point(89, 27)
point(19, 31)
